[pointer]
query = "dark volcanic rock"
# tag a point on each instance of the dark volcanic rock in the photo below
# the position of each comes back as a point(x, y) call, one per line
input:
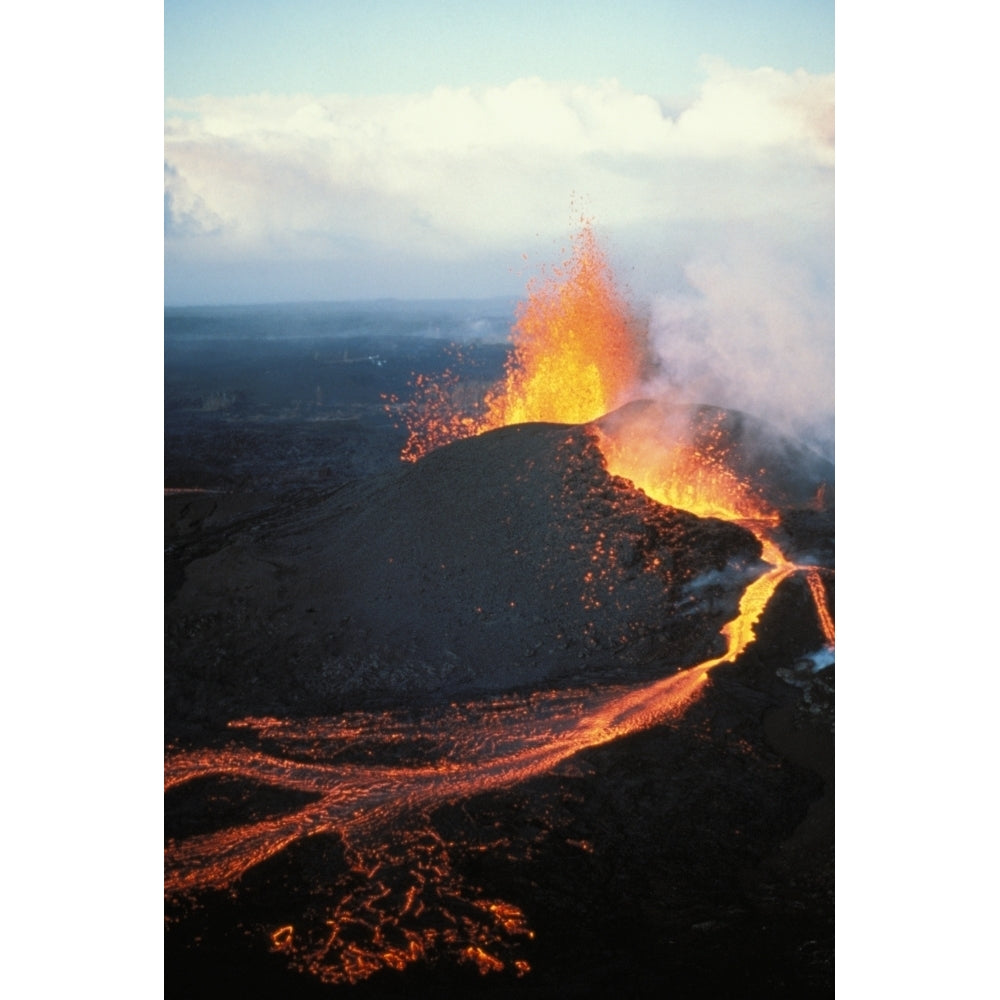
point(501, 560)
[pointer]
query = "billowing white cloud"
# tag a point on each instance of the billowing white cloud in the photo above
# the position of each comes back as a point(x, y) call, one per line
point(742, 113)
point(466, 179)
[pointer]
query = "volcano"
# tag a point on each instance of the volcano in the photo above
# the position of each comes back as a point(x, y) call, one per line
point(504, 560)
point(533, 698)
point(375, 689)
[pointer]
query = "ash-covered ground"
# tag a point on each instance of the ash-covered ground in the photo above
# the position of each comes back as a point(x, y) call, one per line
point(309, 573)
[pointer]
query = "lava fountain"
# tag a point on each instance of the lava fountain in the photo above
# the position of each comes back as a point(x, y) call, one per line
point(576, 353)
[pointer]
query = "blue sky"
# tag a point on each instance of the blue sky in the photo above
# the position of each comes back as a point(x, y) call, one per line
point(378, 47)
point(442, 149)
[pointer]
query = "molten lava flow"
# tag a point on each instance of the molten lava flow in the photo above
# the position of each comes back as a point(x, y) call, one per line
point(400, 899)
point(400, 887)
point(576, 354)
point(498, 743)
point(822, 608)
point(695, 477)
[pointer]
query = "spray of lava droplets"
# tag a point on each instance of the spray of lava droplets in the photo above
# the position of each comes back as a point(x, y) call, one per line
point(576, 354)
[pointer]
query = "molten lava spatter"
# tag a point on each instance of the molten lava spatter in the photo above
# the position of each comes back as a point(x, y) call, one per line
point(678, 473)
point(576, 354)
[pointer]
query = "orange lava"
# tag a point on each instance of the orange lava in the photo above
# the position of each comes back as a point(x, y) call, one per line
point(402, 898)
point(575, 346)
point(577, 352)
point(695, 478)
point(822, 608)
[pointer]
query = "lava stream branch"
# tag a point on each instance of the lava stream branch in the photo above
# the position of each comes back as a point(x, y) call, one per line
point(815, 582)
point(357, 798)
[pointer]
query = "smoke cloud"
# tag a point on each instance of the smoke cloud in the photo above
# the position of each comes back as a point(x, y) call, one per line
point(753, 332)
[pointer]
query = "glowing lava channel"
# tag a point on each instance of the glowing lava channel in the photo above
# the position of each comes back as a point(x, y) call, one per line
point(381, 811)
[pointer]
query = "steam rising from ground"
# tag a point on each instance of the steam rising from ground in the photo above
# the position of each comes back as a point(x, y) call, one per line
point(755, 335)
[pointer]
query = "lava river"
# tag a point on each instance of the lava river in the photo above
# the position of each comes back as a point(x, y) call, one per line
point(450, 754)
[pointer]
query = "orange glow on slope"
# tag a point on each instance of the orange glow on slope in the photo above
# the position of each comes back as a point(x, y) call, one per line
point(576, 354)
point(692, 478)
point(698, 478)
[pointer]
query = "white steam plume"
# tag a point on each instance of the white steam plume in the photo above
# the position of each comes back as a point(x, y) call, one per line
point(755, 333)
